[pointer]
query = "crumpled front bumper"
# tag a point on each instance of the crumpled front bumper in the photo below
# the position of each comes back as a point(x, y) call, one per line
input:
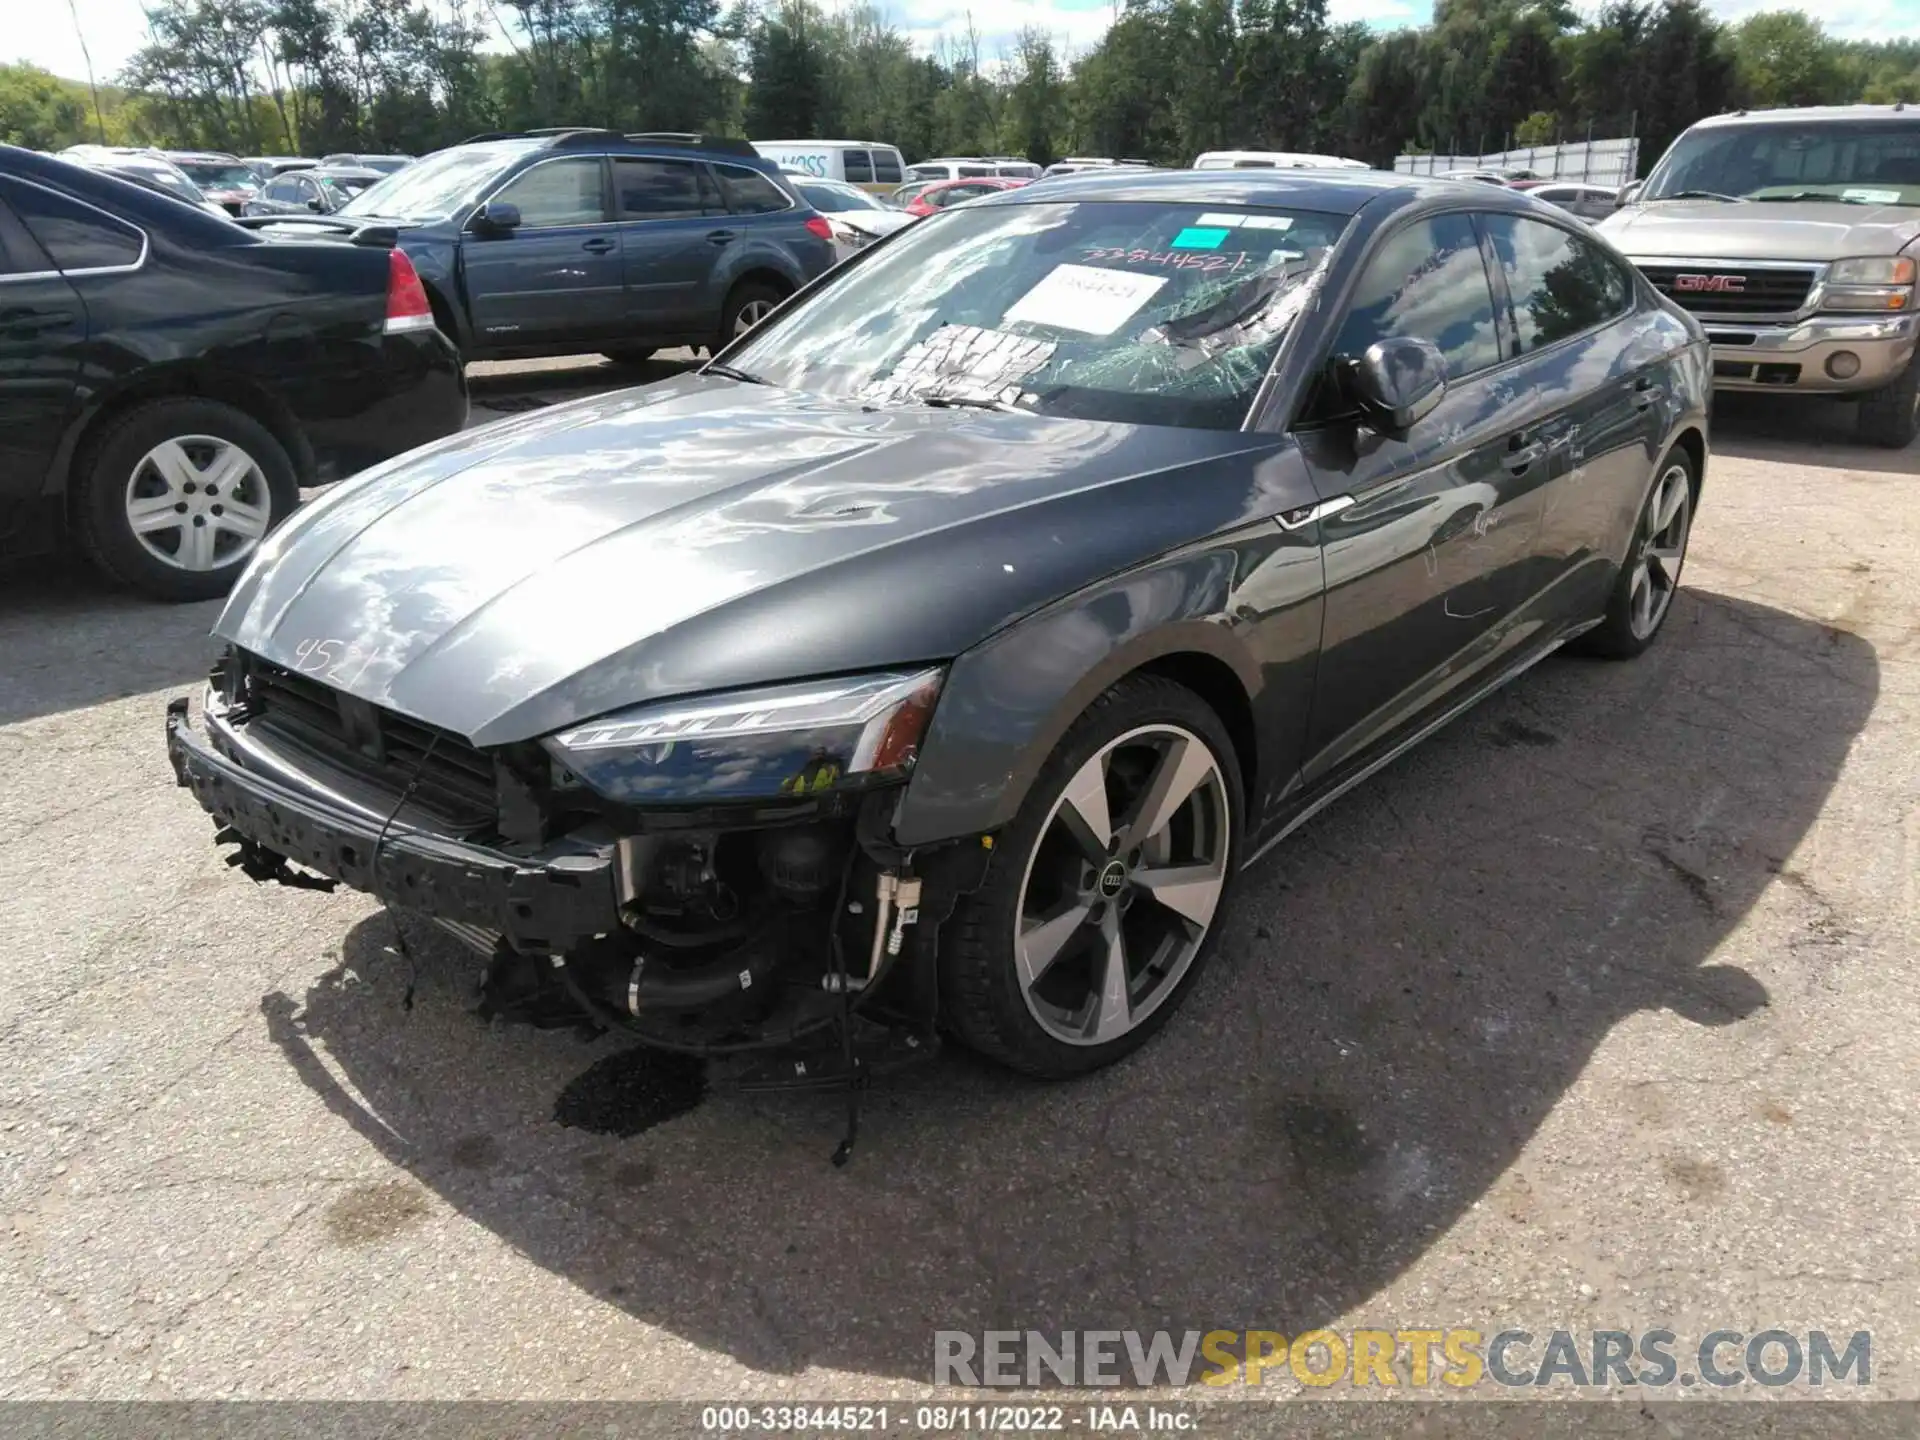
point(542, 904)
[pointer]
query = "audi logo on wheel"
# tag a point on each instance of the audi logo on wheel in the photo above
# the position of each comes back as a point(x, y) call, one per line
point(1725, 284)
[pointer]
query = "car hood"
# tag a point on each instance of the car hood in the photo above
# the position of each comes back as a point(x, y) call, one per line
point(702, 534)
point(1711, 230)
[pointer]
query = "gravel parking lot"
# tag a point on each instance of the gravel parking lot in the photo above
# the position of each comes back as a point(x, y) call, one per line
point(1595, 1012)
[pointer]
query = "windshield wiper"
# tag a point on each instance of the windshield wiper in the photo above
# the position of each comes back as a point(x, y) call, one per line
point(728, 372)
point(942, 401)
point(1816, 195)
point(1703, 195)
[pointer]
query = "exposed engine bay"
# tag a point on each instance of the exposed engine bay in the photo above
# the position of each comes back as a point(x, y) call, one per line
point(785, 932)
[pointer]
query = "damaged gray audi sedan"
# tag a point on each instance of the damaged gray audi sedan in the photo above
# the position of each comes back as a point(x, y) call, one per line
point(931, 661)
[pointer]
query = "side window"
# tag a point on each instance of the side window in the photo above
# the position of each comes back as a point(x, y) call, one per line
point(1428, 282)
point(283, 190)
point(657, 189)
point(749, 192)
point(972, 172)
point(1559, 283)
point(557, 192)
point(886, 167)
point(77, 236)
point(859, 167)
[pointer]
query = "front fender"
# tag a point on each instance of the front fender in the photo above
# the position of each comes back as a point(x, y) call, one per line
point(1245, 604)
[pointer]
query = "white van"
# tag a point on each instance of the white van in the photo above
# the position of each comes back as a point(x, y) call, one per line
point(1274, 160)
point(866, 163)
point(974, 167)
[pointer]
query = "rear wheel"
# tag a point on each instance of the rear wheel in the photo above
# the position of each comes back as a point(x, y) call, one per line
point(1890, 416)
point(1643, 595)
point(176, 495)
point(746, 307)
point(1099, 907)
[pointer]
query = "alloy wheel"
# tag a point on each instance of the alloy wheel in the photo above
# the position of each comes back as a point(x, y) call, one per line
point(1122, 885)
point(1661, 550)
point(751, 314)
point(198, 502)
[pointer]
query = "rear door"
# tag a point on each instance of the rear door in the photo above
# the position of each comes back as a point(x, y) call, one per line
point(1420, 561)
point(43, 327)
point(556, 280)
point(1588, 383)
point(673, 231)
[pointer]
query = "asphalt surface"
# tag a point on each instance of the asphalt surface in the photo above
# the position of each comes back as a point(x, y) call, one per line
point(1598, 1011)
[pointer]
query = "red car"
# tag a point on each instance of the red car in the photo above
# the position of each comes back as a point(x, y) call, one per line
point(952, 192)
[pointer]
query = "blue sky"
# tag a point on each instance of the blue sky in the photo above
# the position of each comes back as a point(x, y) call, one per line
point(42, 31)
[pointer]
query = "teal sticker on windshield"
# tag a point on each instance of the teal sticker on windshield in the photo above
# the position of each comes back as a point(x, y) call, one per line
point(1196, 237)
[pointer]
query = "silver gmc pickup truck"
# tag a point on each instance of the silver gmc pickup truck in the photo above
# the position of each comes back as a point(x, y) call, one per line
point(1793, 236)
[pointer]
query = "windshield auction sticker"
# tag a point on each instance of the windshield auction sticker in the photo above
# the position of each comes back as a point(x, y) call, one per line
point(1084, 298)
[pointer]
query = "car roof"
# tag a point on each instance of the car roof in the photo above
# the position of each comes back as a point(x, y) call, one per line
point(834, 144)
point(1330, 191)
point(342, 172)
point(1811, 115)
point(205, 157)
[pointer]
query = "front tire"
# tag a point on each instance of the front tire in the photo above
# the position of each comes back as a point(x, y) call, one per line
point(1105, 894)
point(174, 496)
point(1643, 595)
point(1890, 416)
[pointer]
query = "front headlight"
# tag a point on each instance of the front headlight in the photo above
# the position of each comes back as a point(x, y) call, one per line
point(786, 740)
point(1869, 283)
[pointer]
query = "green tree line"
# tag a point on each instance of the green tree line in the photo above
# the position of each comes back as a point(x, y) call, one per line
point(1169, 78)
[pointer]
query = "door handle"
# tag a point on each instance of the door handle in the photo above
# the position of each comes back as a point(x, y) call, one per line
point(21, 322)
point(1522, 451)
point(722, 237)
point(1645, 394)
point(597, 247)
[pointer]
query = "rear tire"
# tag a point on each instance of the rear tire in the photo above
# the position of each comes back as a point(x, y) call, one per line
point(1650, 579)
point(1025, 967)
point(1890, 416)
point(746, 307)
point(174, 497)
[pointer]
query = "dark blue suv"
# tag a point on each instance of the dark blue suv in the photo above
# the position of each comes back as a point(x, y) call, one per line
point(556, 241)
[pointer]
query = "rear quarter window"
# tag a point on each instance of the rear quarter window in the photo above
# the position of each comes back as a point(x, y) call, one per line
point(77, 236)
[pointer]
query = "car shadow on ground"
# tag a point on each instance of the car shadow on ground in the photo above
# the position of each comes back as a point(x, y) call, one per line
point(1797, 430)
point(69, 640)
point(1405, 990)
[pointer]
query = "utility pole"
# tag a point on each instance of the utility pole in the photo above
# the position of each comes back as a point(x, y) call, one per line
point(99, 120)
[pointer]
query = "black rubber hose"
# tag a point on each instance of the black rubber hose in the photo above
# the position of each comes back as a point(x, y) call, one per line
point(661, 987)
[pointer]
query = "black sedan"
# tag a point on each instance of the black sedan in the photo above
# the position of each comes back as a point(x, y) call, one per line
point(934, 658)
point(170, 379)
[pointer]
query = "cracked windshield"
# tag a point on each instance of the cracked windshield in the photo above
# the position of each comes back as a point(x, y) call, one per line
point(1853, 164)
point(1141, 312)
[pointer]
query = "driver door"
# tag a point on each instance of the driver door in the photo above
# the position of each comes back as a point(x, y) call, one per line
point(1424, 552)
point(556, 279)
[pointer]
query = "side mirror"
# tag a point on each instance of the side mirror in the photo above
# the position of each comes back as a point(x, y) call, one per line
point(497, 217)
point(1629, 193)
point(1397, 383)
point(317, 206)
